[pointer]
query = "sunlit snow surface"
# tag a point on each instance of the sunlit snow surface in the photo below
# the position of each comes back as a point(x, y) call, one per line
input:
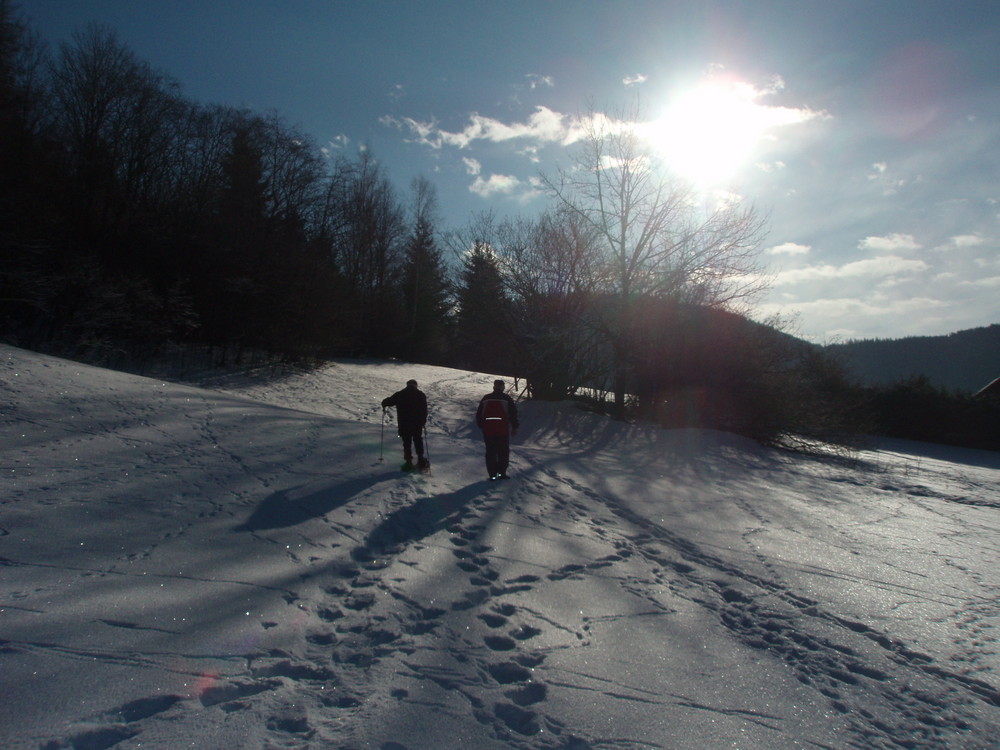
point(237, 562)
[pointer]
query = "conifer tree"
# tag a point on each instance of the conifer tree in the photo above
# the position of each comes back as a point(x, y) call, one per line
point(234, 286)
point(425, 285)
point(483, 334)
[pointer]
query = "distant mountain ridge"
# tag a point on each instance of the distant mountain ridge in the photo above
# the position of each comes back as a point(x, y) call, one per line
point(965, 361)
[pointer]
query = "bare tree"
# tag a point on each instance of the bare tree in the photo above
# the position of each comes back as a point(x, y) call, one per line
point(655, 238)
point(23, 55)
point(295, 172)
point(369, 232)
point(549, 268)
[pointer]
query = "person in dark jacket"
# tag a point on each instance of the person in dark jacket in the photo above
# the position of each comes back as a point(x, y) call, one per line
point(411, 416)
point(497, 418)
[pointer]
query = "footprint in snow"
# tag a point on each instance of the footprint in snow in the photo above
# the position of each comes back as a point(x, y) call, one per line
point(97, 738)
point(143, 708)
point(492, 620)
point(297, 672)
point(471, 599)
point(289, 724)
point(517, 719)
point(525, 579)
point(525, 632)
point(509, 672)
point(222, 694)
point(329, 614)
point(322, 639)
point(565, 572)
point(529, 694)
point(500, 643)
point(359, 602)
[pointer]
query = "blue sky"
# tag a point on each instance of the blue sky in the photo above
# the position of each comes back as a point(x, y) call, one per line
point(868, 132)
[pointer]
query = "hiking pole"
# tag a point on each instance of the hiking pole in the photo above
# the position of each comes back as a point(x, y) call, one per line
point(427, 451)
point(381, 438)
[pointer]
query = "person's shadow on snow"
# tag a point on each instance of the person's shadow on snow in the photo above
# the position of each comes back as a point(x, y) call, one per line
point(289, 507)
point(416, 521)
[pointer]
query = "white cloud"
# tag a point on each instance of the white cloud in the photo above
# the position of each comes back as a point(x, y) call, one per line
point(337, 143)
point(635, 80)
point(844, 306)
point(544, 125)
point(789, 248)
point(888, 265)
point(771, 166)
point(547, 126)
point(969, 248)
point(848, 317)
point(892, 243)
point(989, 283)
point(531, 154)
point(880, 175)
point(535, 80)
point(711, 101)
point(967, 240)
point(426, 132)
point(472, 166)
point(947, 276)
point(496, 184)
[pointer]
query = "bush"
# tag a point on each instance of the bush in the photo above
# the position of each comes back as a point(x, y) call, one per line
point(915, 409)
point(701, 367)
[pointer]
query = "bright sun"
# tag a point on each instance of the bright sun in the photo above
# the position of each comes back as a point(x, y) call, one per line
point(707, 133)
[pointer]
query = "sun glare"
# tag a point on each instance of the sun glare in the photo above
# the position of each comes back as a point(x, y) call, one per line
point(710, 131)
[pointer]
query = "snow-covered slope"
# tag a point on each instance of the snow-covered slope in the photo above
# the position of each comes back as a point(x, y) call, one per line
point(232, 565)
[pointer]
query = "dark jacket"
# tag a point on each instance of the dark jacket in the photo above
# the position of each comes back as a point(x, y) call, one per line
point(411, 408)
point(508, 402)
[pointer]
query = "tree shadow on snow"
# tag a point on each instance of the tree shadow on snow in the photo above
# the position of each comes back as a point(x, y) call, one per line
point(289, 507)
point(416, 521)
point(939, 452)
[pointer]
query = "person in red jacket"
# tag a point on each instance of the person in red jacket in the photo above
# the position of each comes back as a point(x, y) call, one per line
point(411, 416)
point(497, 418)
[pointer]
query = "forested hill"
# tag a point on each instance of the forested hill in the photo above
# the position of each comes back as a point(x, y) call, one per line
point(964, 361)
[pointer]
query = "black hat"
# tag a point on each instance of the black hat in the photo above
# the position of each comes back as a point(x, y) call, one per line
point(412, 382)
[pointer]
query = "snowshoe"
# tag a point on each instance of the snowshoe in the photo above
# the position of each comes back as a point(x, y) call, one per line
point(407, 466)
point(423, 465)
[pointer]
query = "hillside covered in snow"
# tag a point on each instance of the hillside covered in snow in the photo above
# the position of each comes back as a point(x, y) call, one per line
point(238, 562)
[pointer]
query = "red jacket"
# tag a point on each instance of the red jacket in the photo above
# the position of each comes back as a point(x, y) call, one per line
point(497, 414)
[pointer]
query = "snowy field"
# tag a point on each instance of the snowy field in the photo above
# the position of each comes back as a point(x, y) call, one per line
point(228, 564)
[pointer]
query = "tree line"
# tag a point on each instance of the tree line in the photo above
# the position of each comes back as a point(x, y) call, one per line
point(963, 361)
point(133, 219)
point(133, 216)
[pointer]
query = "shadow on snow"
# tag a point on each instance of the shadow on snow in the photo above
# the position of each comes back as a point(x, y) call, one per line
point(416, 521)
point(288, 507)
